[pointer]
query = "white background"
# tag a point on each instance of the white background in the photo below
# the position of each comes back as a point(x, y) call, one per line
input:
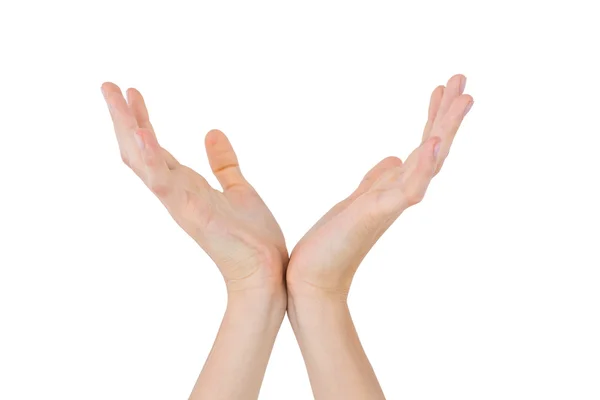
point(488, 289)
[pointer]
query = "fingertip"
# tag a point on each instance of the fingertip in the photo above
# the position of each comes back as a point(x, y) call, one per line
point(463, 84)
point(111, 87)
point(463, 105)
point(105, 85)
point(468, 108)
point(105, 88)
point(459, 77)
point(132, 91)
point(436, 97)
point(136, 93)
point(213, 137)
point(391, 161)
point(458, 81)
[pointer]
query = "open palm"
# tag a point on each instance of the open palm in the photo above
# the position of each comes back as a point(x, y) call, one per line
point(234, 226)
point(328, 255)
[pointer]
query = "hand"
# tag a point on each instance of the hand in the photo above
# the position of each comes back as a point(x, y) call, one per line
point(234, 227)
point(327, 257)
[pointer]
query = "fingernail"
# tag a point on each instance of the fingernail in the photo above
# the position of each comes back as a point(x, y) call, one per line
point(468, 107)
point(463, 83)
point(436, 149)
point(104, 94)
point(139, 140)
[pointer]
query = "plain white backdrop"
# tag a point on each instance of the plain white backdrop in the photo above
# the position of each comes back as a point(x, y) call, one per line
point(488, 289)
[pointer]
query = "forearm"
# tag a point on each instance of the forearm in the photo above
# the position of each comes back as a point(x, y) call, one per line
point(236, 365)
point(337, 365)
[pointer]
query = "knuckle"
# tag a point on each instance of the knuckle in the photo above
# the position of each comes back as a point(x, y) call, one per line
point(150, 160)
point(160, 189)
point(131, 163)
point(135, 167)
point(125, 159)
point(413, 197)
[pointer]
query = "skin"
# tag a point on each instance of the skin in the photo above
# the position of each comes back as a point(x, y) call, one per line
point(325, 260)
point(233, 226)
point(239, 233)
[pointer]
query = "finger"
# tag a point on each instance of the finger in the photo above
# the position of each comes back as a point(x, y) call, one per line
point(448, 126)
point(417, 176)
point(155, 173)
point(403, 187)
point(222, 160)
point(454, 88)
point(366, 219)
point(138, 107)
point(172, 162)
point(367, 182)
point(124, 123)
point(434, 105)
point(369, 216)
point(374, 173)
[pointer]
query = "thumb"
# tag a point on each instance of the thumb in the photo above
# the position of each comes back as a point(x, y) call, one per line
point(406, 186)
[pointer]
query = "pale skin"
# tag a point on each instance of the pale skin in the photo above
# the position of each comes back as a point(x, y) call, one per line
point(239, 233)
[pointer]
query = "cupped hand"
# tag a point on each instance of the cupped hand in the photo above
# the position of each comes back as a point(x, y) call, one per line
point(233, 226)
point(327, 257)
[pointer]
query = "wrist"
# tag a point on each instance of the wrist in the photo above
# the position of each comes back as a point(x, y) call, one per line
point(268, 278)
point(267, 301)
point(316, 311)
point(301, 291)
point(308, 304)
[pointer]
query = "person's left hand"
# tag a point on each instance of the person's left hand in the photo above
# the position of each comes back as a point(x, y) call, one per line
point(325, 259)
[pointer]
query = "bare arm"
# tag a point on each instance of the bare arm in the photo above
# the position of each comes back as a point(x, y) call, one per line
point(337, 364)
point(236, 364)
point(233, 226)
point(323, 263)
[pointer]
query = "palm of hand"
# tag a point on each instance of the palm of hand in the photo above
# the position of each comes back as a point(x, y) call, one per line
point(328, 256)
point(234, 226)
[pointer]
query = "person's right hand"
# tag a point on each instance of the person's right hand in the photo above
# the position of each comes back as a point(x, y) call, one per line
point(327, 257)
point(234, 227)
